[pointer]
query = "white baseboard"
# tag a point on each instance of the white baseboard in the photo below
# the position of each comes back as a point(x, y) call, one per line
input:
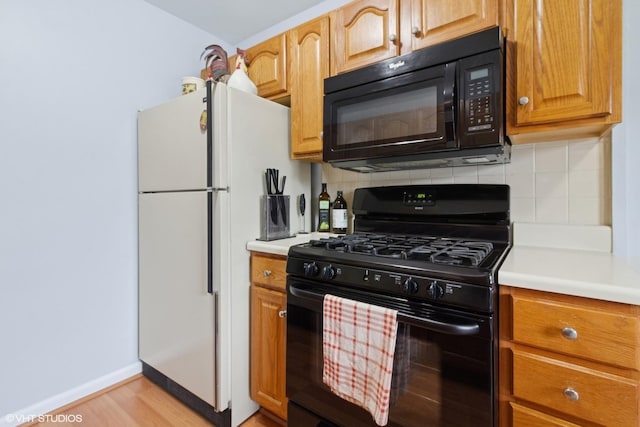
point(54, 402)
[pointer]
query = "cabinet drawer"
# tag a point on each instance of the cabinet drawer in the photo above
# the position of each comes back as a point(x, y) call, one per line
point(597, 330)
point(575, 390)
point(521, 416)
point(269, 270)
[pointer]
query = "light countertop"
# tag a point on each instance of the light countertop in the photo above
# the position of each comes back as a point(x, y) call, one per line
point(578, 271)
point(569, 259)
point(281, 246)
point(591, 274)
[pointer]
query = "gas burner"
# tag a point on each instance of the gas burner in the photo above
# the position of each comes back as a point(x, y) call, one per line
point(452, 252)
point(394, 251)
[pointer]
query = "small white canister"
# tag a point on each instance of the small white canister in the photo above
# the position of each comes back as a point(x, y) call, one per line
point(191, 84)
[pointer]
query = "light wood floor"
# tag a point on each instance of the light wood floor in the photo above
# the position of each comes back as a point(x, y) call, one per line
point(136, 402)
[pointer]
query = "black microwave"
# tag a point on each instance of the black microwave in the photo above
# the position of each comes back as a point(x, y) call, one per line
point(440, 106)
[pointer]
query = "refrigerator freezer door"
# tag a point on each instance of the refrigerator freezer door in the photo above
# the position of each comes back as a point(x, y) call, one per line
point(172, 148)
point(177, 314)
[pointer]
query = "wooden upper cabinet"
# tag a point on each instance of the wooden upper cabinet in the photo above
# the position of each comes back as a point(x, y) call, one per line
point(564, 64)
point(309, 68)
point(268, 66)
point(364, 32)
point(368, 31)
point(428, 22)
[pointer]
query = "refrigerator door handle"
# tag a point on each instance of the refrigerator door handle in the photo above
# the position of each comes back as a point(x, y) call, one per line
point(209, 242)
point(210, 214)
point(209, 134)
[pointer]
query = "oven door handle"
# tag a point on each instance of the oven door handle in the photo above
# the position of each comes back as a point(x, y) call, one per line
point(470, 328)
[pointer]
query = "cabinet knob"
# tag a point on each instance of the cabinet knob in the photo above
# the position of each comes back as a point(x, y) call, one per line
point(570, 333)
point(524, 100)
point(267, 273)
point(571, 394)
point(392, 38)
point(415, 31)
point(282, 313)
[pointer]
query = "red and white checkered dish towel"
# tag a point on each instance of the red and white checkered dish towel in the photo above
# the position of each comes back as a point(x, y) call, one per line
point(358, 345)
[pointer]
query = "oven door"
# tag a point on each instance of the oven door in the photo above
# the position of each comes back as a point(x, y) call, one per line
point(443, 364)
point(400, 115)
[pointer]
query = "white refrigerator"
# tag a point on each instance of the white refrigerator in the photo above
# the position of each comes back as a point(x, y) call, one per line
point(199, 192)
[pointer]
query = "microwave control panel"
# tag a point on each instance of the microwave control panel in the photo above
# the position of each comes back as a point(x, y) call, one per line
point(480, 112)
point(481, 97)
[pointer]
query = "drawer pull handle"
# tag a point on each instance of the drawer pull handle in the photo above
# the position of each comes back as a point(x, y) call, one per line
point(267, 273)
point(570, 333)
point(571, 394)
point(282, 313)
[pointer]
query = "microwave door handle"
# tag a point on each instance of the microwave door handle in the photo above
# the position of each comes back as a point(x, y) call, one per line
point(449, 101)
point(449, 328)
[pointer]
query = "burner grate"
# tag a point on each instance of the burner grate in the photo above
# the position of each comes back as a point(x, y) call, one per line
point(437, 250)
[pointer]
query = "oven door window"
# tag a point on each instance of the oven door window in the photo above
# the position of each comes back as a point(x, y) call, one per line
point(393, 115)
point(439, 379)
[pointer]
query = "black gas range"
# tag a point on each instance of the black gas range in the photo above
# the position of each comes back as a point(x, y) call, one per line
point(431, 252)
point(438, 243)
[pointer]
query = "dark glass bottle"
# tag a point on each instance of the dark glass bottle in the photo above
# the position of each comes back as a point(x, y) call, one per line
point(339, 218)
point(324, 201)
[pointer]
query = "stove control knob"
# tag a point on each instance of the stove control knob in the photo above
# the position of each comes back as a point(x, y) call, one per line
point(435, 290)
point(410, 286)
point(328, 272)
point(310, 269)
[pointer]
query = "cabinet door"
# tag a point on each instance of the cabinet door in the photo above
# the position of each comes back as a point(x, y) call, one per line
point(366, 31)
point(268, 349)
point(578, 391)
point(567, 58)
point(523, 416)
point(596, 330)
point(269, 270)
point(268, 66)
point(310, 66)
point(436, 21)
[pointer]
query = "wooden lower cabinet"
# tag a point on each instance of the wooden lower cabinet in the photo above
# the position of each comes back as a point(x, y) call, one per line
point(567, 361)
point(525, 417)
point(268, 333)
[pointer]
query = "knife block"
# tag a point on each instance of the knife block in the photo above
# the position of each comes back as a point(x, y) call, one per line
point(274, 221)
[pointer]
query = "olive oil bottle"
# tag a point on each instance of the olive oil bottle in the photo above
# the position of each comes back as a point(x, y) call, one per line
point(324, 202)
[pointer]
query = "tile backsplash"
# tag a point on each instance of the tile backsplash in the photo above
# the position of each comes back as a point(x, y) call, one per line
point(562, 182)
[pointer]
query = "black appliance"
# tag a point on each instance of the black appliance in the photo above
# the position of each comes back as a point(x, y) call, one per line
point(432, 253)
point(439, 106)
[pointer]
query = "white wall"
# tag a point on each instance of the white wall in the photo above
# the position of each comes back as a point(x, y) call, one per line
point(72, 76)
point(626, 146)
